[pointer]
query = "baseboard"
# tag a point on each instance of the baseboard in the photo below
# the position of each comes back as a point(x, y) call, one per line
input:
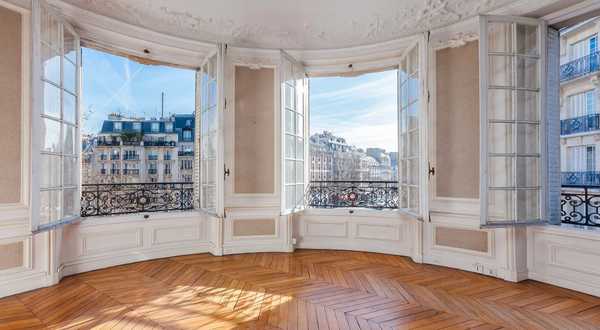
point(95, 263)
point(253, 248)
point(586, 287)
point(353, 245)
point(23, 282)
point(482, 268)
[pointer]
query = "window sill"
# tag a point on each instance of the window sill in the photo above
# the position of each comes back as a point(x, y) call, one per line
point(360, 212)
point(570, 230)
point(140, 217)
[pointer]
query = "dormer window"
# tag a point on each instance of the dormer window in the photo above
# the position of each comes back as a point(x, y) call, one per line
point(155, 127)
point(118, 126)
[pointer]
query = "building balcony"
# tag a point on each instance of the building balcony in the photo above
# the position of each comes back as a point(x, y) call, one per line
point(580, 204)
point(580, 67)
point(160, 144)
point(108, 143)
point(131, 157)
point(185, 153)
point(367, 194)
point(122, 198)
point(580, 124)
point(581, 178)
point(131, 172)
point(152, 157)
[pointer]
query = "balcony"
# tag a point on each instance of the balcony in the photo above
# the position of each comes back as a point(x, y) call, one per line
point(579, 67)
point(108, 143)
point(583, 178)
point(123, 198)
point(131, 172)
point(131, 157)
point(580, 205)
point(152, 157)
point(367, 194)
point(580, 124)
point(185, 153)
point(160, 144)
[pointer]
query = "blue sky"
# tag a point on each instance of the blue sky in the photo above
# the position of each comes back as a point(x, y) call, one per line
point(115, 84)
point(361, 109)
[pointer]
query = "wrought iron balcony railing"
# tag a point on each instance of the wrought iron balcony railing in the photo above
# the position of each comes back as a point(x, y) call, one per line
point(160, 143)
point(583, 178)
point(123, 198)
point(580, 67)
point(580, 124)
point(580, 205)
point(368, 194)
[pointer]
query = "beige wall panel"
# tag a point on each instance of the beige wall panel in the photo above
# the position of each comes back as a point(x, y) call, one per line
point(11, 255)
point(474, 240)
point(10, 106)
point(457, 122)
point(254, 135)
point(254, 227)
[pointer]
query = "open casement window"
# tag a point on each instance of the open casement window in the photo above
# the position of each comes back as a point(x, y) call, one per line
point(294, 103)
point(411, 129)
point(512, 86)
point(55, 120)
point(210, 80)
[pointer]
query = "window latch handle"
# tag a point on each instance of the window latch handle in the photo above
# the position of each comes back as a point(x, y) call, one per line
point(431, 171)
point(225, 172)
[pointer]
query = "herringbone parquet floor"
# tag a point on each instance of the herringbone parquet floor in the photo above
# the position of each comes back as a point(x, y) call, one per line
point(308, 289)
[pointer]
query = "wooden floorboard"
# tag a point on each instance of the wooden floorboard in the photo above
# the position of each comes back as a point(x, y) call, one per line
point(307, 289)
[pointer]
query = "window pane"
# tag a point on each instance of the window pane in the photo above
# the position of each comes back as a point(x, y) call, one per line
point(413, 143)
point(51, 100)
point(299, 171)
point(500, 104)
point(501, 172)
point(500, 71)
point(290, 97)
point(290, 122)
point(413, 116)
point(70, 76)
point(527, 172)
point(413, 174)
point(299, 200)
point(51, 64)
point(50, 171)
point(404, 94)
point(413, 199)
point(527, 72)
point(290, 175)
point(70, 165)
point(290, 146)
point(299, 125)
point(500, 138)
point(299, 148)
point(500, 205)
point(403, 197)
point(528, 106)
point(69, 104)
point(499, 37)
point(528, 206)
point(413, 61)
point(69, 139)
point(70, 46)
point(413, 89)
point(528, 139)
point(50, 206)
point(50, 135)
point(70, 202)
point(290, 196)
point(527, 39)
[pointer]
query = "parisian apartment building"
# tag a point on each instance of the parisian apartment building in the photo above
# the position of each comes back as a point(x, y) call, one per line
point(136, 150)
point(332, 158)
point(580, 115)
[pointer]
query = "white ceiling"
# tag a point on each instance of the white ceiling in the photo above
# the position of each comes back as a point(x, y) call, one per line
point(291, 24)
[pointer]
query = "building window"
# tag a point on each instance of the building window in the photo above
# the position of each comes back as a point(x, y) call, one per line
point(591, 158)
point(187, 135)
point(155, 127)
point(168, 127)
point(117, 126)
point(137, 127)
point(583, 48)
point(581, 104)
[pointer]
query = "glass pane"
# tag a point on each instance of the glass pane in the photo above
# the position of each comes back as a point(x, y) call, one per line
point(70, 202)
point(413, 89)
point(299, 171)
point(527, 39)
point(290, 146)
point(413, 174)
point(403, 197)
point(528, 139)
point(413, 199)
point(500, 205)
point(528, 172)
point(70, 167)
point(208, 197)
point(404, 94)
point(528, 106)
point(50, 135)
point(500, 138)
point(50, 206)
point(69, 104)
point(210, 166)
point(403, 70)
point(50, 30)
point(499, 37)
point(50, 171)
point(413, 143)
point(70, 46)
point(290, 196)
point(290, 97)
point(500, 172)
point(290, 175)
point(299, 200)
point(528, 205)
point(69, 139)
point(70, 76)
point(500, 71)
point(527, 72)
point(212, 93)
point(413, 61)
point(413, 116)
point(51, 64)
point(300, 97)
point(51, 100)
point(299, 125)
point(403, 168)
point(299, 148)
point(499, 104)
point(289, 122)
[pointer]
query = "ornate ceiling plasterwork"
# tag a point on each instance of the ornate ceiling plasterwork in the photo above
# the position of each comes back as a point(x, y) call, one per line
point(291, 24)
